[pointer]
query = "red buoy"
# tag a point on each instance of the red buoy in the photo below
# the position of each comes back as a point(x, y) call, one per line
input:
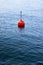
point(21, 23)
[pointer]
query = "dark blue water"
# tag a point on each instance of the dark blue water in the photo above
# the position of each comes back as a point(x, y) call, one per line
point(21, 46)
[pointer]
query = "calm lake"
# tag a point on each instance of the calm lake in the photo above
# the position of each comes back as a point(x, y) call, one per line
point(21, 46)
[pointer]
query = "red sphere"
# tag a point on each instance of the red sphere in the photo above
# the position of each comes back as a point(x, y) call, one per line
point(21, 24)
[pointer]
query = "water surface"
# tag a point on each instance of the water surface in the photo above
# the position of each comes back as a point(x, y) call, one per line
point(21, 46)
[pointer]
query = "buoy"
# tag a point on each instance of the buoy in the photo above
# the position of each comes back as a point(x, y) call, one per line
point(21, 23)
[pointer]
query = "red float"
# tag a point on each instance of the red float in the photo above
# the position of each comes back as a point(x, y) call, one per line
point(21, 23)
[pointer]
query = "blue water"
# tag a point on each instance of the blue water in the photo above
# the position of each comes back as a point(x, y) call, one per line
point(21, 46)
